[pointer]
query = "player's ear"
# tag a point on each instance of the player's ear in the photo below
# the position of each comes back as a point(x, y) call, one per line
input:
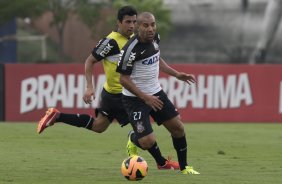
point(118, 23)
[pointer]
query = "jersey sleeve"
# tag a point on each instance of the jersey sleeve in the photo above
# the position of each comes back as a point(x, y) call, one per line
point(128, 56)
point(106, 47)
point(125, 64)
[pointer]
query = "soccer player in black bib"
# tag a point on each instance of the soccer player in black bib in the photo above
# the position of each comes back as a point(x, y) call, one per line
point(106, 51)
point(143, 96)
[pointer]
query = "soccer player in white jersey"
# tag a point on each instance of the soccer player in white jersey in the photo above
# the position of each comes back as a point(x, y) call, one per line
point(106, 51)
point(143, 96)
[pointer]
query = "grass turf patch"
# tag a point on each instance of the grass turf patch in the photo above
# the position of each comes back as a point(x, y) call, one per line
point(222, 153)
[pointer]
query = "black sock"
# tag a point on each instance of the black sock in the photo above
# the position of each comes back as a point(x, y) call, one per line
point(78, 120)
point(180, 146)
point(154, 150)
point(156, 153)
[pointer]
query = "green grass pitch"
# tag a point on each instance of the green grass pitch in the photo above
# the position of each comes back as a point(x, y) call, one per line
point(225, 153)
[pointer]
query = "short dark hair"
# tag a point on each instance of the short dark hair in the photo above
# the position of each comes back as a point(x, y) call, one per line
point(126, 10)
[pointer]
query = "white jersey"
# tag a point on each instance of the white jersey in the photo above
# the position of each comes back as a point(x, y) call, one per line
point(141, 62)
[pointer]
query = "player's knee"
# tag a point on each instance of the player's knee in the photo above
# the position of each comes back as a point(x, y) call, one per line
point(98, 129)
point(100, 125)
point(147, 141)
point(146, 145)
point(178, 130)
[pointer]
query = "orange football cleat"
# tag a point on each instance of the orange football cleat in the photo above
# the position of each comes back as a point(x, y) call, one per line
point(48, 119)
point(169, 164)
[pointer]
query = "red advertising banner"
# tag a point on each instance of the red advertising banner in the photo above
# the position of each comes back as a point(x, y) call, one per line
point(223, 93)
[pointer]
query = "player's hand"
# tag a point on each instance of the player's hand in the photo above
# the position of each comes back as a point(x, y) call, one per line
point(154, 102)
point(189, 78)
point(89, 94)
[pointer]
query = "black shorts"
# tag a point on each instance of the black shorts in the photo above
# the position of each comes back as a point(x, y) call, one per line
point(139, 113)
point(111, 107)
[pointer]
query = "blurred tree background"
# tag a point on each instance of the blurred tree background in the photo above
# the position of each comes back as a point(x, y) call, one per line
point(10, 9)
point(98, 16)
point(192, 31)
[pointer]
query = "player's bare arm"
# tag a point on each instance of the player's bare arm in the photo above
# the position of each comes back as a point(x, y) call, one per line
point(189, 78)
point(89, 91)
point(152, 101)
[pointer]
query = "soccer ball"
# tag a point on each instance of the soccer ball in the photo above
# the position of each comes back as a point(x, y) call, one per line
point(134, 168)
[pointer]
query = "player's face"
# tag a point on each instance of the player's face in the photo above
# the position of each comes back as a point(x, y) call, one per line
point(126, 27)
point(147, 29)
